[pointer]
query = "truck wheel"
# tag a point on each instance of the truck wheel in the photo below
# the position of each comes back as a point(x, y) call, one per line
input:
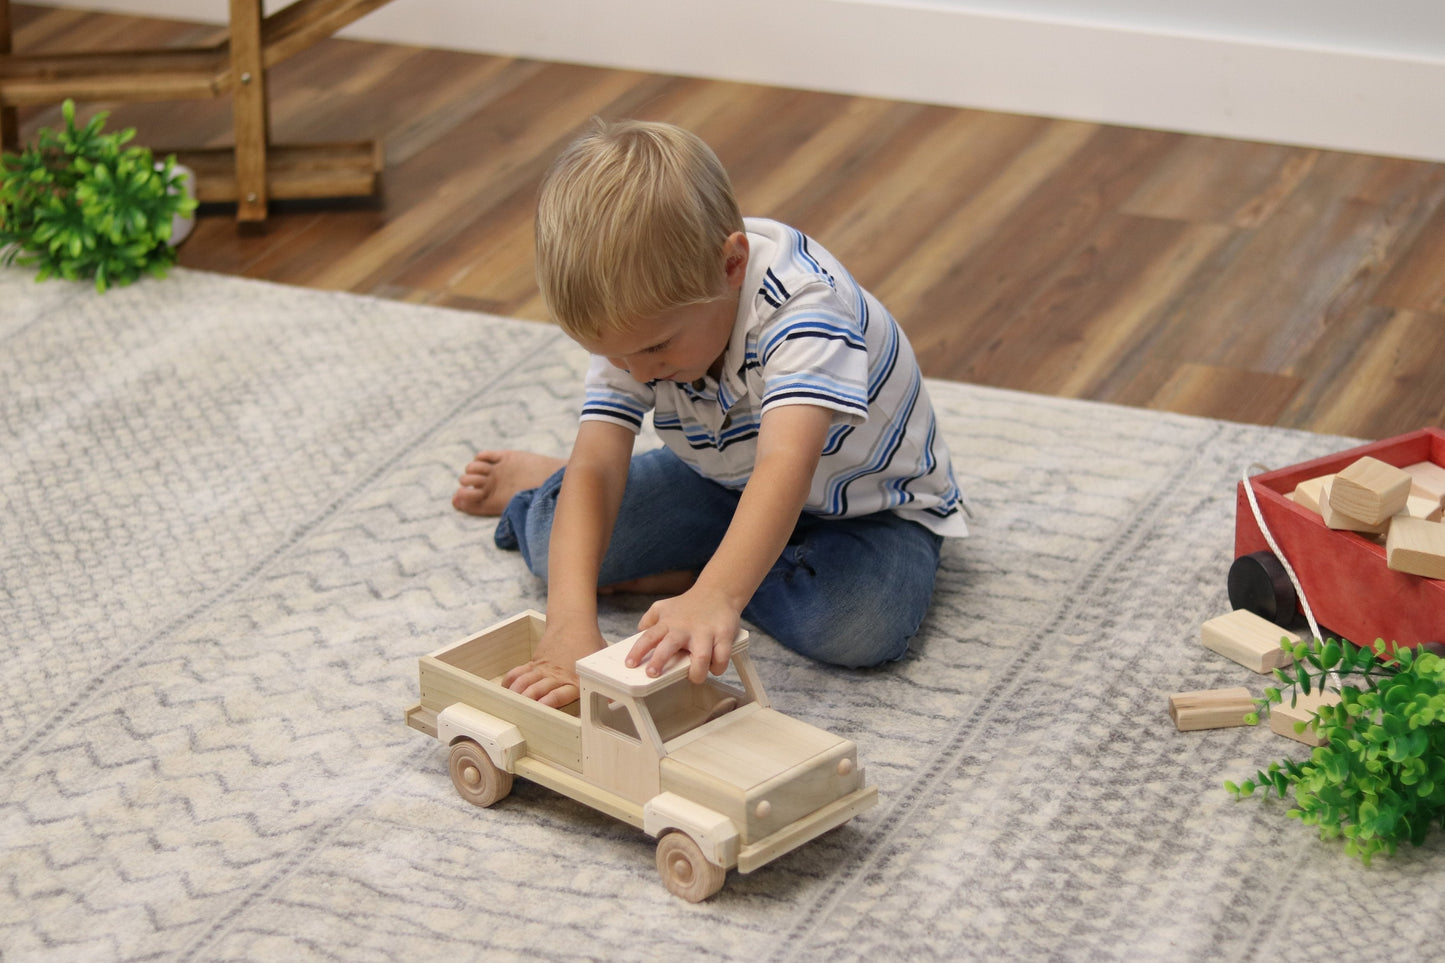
point(1259, 583)
point(476, 777)
point(685, 871)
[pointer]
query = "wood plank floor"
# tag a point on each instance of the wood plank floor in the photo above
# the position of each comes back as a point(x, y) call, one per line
point(1251, 282)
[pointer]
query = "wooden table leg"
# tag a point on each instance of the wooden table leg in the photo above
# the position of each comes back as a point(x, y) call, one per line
point(248, 105)
point(9, 119)
point(251, 172)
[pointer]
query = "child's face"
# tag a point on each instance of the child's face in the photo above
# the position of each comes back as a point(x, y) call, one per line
point(678, 345)
point(685, 343)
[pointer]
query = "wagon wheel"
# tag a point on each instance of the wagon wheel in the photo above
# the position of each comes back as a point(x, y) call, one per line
point(685, 871)
point(1259, 583)
point(476, 777)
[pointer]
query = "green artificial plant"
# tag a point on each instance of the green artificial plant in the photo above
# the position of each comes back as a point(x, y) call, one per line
point(80, 204)
point(1379, 777)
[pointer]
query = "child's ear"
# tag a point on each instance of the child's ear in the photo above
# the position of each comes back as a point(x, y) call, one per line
point(735, 258)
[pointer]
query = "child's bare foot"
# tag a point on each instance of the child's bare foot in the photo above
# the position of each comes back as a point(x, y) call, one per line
point(491, 479)
point(663, 583)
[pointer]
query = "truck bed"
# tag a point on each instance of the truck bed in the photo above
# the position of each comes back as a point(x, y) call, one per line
point(470, 672)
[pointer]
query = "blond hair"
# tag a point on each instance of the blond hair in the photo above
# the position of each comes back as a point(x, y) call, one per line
point(631, 222)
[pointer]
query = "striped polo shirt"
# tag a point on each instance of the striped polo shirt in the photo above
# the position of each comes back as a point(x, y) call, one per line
point(806, 333)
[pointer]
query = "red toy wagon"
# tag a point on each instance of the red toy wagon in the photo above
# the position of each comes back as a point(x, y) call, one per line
point(1351, 591)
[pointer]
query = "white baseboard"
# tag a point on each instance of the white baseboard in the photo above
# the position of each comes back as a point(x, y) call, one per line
point(1360, 101)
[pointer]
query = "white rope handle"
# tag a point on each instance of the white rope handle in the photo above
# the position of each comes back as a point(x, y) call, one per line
point(1288, 569)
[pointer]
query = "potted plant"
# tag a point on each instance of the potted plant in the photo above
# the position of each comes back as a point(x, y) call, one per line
point(80, 204)
point(1379, 777)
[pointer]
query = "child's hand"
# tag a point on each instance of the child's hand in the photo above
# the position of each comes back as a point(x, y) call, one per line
point(551, 677)
point(703, 623)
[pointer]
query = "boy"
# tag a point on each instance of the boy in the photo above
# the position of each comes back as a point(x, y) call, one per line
point(802, 483)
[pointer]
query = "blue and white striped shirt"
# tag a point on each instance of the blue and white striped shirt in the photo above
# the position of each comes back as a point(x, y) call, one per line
point(806, 333)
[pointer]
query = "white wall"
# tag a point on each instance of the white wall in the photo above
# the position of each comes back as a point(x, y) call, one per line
point(1329, 73)
point(1400, 28)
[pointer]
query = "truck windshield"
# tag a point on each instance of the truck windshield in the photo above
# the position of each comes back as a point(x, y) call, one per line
point(683, 707)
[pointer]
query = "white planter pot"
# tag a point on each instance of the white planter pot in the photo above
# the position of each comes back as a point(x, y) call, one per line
point(181, 227)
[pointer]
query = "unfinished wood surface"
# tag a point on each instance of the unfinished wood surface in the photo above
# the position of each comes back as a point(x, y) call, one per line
point(1246, 638)
point(1283, 717)
point(1427, 480)
point(1311, 492)
point(1210, 709)
point(1416, 546)
point(492, 652)
point(1370, 490)
point(617, 754)
point(1338, 520)
point(1419, 506)
point(1246, 281)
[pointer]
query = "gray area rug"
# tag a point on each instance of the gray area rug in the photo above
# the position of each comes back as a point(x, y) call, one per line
point(227, 537)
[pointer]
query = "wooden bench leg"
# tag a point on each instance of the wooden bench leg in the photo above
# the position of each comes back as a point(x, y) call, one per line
point(9, 119)
point(248, 106)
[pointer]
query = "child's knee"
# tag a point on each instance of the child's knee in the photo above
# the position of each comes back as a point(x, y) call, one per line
point(830, 600)
point(854, 646)
point(853, 636)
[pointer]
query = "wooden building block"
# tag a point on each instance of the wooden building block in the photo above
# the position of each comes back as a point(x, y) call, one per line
point(1210, 709)
point(1420, 506)
point(1246, 638)
point(1427, 479)
point(1311, 492)
point(1417, 547)
point(1282, 718)
point(1338, 520)
point(1370, 490)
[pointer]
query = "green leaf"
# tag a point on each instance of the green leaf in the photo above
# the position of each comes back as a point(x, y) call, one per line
point(77, 203)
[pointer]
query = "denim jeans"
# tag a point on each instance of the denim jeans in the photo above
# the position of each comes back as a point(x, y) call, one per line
point(846, 591)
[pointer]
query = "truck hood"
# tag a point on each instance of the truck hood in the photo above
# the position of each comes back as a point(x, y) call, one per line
point(752, 746)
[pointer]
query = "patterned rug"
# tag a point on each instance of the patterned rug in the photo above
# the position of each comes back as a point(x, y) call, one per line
point(227, 538)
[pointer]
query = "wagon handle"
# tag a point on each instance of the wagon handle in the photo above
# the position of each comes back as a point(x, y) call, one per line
point(1279, 554)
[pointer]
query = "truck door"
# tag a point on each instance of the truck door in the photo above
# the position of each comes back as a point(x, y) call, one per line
point(621, 751)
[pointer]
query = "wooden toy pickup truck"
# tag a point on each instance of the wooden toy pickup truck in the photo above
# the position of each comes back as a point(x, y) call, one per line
point(710, 770)
point(1353, 593)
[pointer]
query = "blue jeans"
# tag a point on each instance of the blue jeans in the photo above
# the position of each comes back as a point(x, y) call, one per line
point(846, 591)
